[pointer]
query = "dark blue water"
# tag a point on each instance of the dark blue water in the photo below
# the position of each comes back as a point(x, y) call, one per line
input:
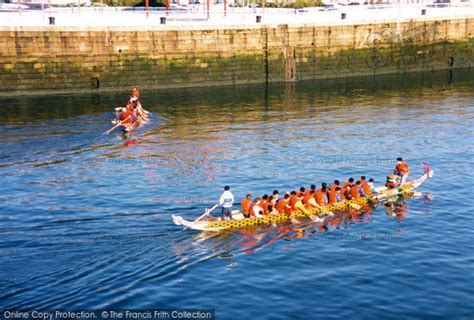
point(85, 218)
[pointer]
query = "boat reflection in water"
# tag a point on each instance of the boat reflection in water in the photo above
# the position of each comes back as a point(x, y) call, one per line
point(226, 244)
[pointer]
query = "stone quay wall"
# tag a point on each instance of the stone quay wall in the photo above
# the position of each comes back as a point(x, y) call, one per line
point(47, 60)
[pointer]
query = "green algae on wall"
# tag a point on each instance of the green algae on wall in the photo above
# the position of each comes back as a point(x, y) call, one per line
point(52, 60)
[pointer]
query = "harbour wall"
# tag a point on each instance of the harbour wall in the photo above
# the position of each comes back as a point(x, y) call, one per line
point(47, 60)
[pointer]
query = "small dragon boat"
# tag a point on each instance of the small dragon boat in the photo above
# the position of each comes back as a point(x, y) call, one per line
point(385, 194)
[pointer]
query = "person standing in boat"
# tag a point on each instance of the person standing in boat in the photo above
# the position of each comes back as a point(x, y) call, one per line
point(402, 169)
point(226, 201)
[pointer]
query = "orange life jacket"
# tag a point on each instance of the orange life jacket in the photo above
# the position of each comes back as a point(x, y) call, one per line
point(307, 197)
point(293, 200)
point(366, 188)
point(281, 205)
point(264, 205)
point(341, 193)
point(246, 205)
point(126, 116)
point(333, 187)
point(320, 197)
point(355, 191)
point(252, 208)
point(403, 168)
point(333, 196)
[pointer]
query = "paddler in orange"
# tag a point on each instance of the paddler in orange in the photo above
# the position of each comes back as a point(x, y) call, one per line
point(299, 206)
point(402, 169)
point(312, 189)
point(346, 189)
point(356, 191)
point(309, 201)
point(321, 195)
point(348, 183)
point(271, 209)
point(265, 204)
point(334, 195)
point(246, 202)
point(366, 187)
point(301, 192)
point(127, 117)
point(256, 209)
point(335, 185)
point(283, 205)
point(372, 186)
point(293, 198)
point(134, 99)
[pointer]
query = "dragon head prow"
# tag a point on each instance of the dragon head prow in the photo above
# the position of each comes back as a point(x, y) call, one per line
point(426, 167)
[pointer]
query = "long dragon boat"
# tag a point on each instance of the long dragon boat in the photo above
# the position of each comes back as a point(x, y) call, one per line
point(239, 221)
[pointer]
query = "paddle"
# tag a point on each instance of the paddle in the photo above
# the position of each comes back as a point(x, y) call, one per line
point(117, 125)
point(204, 214)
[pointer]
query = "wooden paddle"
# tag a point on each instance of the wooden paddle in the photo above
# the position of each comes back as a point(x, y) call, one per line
point(117, 125)
point(204, 214)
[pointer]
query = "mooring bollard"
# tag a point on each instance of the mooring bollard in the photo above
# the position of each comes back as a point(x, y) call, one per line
point(162, 20)
point(343, 16)
point(52, 21)
point(423, 12)
point(259, 19)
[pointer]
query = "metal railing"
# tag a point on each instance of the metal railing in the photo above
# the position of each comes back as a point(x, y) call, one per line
point(216, 15)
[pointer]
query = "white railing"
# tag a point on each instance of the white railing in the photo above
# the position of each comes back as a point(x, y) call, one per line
point(199, 15)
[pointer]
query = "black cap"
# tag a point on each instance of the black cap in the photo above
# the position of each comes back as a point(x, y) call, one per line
point(226, 188)
point(399, 159)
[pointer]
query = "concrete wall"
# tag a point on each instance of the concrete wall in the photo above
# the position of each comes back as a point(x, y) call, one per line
point(58, 59)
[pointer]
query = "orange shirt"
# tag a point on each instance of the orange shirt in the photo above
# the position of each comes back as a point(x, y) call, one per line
point(293, 200)
point(355, 192)
point(333, 196)
point(320, 197)
point(264, 205)
point(252, 207)
point(245, 205)
point(333, 187)
point(346, 184)
point(366, 188)
point(281, 205)
point(307, 197)
point(126, 116)
point(341, 193)
point(403, 168)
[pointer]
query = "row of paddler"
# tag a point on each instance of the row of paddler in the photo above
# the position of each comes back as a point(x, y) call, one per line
point(307, 199)
point(130, 115)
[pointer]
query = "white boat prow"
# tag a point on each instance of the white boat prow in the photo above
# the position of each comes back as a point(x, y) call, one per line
point(180, 221)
